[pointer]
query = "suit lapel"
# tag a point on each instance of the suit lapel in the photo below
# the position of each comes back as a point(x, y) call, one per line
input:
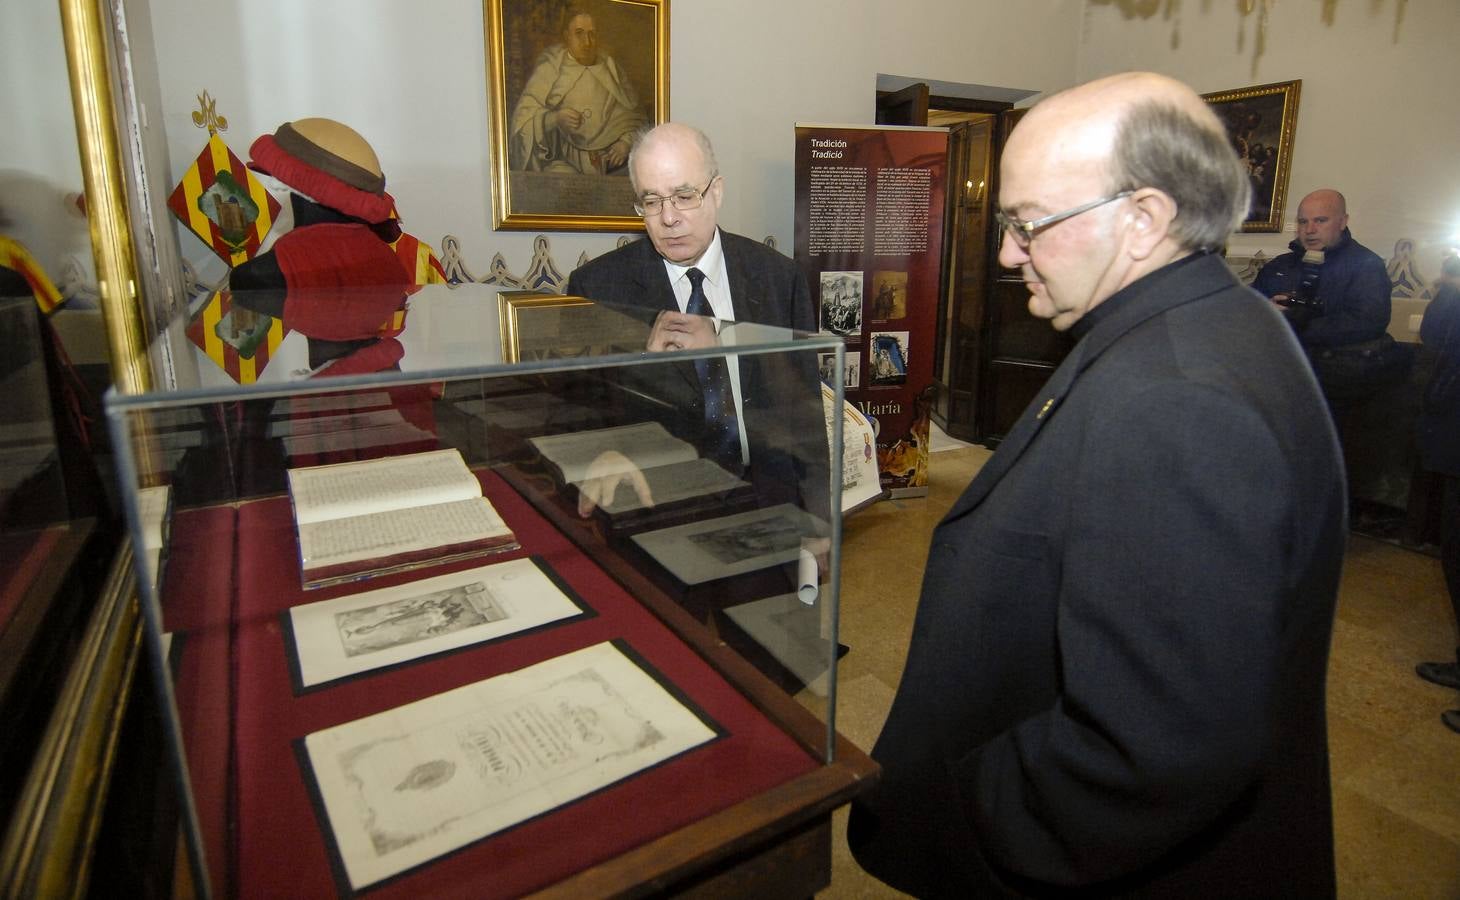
point(748, 290)
point(651, 280)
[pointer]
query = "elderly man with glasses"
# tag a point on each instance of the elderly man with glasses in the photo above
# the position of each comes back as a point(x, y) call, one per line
point(678, 189)
point(1115, 685)
point(758, 416)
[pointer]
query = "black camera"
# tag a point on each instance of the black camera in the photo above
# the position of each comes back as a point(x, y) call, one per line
point(1305, 295)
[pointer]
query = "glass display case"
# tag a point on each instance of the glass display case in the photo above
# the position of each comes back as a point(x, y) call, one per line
point(56, 529)
point(481, 598)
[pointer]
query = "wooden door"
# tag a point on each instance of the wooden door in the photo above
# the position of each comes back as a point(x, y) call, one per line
point(908, 106)
point(966, 260)
point(1018, 352)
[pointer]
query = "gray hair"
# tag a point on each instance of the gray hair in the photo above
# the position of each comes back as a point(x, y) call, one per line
point(646, 135)
point(1160, 145)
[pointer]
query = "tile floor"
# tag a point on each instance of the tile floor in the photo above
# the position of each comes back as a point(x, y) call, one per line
point(1396, 768)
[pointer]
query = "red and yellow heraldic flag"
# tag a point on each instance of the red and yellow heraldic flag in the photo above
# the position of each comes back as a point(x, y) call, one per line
point(221, 202)
point(239, 341)
point(420, 260)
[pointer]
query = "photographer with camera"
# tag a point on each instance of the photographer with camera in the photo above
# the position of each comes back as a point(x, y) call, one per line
point(1334, 292)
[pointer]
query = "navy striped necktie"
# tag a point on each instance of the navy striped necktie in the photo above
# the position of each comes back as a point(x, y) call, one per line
point(722, 425)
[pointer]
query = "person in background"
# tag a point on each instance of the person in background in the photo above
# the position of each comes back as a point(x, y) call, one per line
point(1115, 684)
point(1335, 292)
point(1439, 447)
point(679, 190)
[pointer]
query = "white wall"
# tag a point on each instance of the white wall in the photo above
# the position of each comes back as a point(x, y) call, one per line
point(411, 77)
point(1379, 115)
point(39, 164)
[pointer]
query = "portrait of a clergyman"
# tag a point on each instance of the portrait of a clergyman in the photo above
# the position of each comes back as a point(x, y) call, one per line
point(579, 110)
point(580, 79)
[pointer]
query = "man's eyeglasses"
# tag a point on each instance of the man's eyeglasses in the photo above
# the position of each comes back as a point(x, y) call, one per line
point(681, 200)
point(1024, 233)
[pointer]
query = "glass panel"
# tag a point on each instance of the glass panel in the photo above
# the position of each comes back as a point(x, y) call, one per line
point(715, 575)
point(56, 529)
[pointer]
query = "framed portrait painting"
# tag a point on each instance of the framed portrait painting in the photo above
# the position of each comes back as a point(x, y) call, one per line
point(1261, 121)
point(569, 82)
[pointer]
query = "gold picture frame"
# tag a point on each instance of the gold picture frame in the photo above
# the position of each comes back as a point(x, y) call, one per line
point(571, 174)
point(1261, 121)
point(542, 326)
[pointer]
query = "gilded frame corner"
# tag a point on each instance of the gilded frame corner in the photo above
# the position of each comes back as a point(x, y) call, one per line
point(514, 308)
point(1265, 148)
point(517, 41)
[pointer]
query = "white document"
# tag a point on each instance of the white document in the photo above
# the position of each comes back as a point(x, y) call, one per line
point(646, 444)
point(861, 482)
point(793, 633)
point(348, 635)
point(152, 513)
point(406, 530)
point(362, 519)
point(407, 785)
point(673, 483)
point(379, 485)
point(732, 545)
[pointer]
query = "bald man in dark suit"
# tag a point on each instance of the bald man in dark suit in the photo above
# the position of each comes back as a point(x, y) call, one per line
point(692, 276)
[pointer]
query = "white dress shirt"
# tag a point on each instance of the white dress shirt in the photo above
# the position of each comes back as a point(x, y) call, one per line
point(717, 291)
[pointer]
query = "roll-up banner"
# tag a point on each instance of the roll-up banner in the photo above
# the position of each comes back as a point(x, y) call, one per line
point(869, 239)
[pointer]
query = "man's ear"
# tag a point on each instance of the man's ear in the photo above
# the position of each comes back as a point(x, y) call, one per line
point(1152, 212)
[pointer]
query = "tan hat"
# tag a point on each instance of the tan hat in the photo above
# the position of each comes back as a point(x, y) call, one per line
point(329, 162)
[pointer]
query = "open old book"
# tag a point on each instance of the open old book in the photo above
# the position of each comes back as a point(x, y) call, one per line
point(358, 520)
point(676, 474)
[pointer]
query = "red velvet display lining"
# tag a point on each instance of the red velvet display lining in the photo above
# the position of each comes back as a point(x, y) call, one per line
point(279, 841)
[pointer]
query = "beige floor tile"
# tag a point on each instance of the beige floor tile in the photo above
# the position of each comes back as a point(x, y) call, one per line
point(1382, 853)
point(862, 707)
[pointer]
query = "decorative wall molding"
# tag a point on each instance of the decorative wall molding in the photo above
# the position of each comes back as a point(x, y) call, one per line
point(1404, 275)
point(1247, 267)
point(543, 273)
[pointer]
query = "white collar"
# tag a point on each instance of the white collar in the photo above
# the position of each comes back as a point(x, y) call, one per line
point(711, 262)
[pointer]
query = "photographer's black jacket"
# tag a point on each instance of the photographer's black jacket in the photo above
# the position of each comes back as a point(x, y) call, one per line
point(1353, 289)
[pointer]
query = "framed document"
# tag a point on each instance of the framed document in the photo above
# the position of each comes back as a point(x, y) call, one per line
point(405, 786)
point(732, 545)
point(537, 326)
point(334, 639)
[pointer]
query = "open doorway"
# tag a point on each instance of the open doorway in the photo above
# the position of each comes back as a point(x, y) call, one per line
point(991, 356)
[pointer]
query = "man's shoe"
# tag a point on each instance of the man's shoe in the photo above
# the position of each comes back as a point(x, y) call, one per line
point(1451, 718)
point(1443, 674)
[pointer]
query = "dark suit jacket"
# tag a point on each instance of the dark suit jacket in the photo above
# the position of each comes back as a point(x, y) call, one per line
point(780, 397)
point(766, 287)
point(1116, 680)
